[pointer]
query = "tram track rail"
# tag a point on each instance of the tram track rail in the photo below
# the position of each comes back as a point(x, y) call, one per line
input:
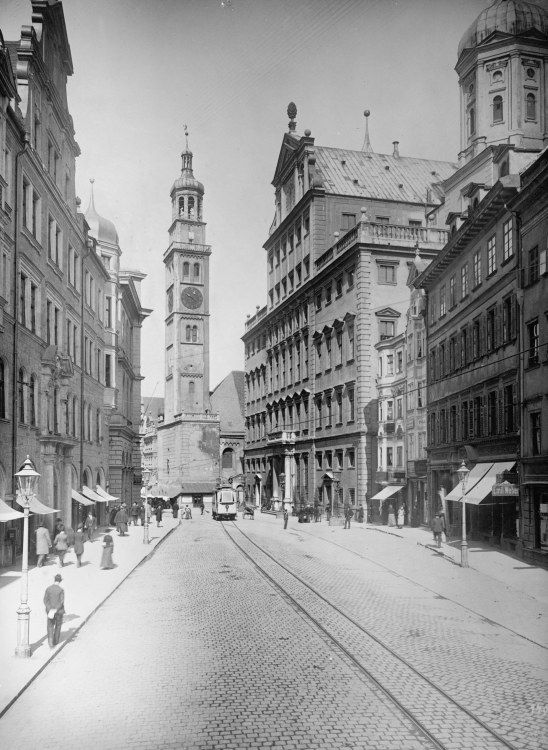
point(418, 703)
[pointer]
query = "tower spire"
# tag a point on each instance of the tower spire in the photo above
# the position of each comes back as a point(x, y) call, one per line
point(186, 156)
point(367, 148)
point(186, 135)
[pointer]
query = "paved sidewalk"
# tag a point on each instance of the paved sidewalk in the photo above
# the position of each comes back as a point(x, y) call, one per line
point(487, 560)
point(85, 589)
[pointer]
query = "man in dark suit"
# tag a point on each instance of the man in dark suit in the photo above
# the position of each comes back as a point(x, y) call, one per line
point(54, 601)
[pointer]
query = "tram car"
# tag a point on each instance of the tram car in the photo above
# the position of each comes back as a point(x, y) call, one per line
point(224, 506)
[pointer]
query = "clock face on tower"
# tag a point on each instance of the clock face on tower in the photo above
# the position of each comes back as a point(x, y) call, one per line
point(191, 297)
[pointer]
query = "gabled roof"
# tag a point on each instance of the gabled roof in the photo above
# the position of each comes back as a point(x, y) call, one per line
point(228, 401)
point(380, 176)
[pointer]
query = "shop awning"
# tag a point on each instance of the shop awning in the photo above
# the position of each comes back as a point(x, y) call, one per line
point(35, 506)
point(109, 498)
point(387, 492)
point(91, 495)
point(7, 513)
point(81, 499)
point(480, 482)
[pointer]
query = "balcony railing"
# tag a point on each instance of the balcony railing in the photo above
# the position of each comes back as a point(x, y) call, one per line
point(281, 436)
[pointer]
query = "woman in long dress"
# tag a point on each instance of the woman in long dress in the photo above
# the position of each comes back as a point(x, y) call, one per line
point(401, 516)
point(106, 557)
point(79, 545)
point(391, 515)
point(121, 521)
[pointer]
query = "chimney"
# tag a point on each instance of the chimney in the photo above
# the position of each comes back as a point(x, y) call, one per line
point(396, 151)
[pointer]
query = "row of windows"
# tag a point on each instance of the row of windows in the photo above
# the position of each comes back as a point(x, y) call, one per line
point(487, 332)
point(289, 241)
point(329, 355)
point(290, 323)
point(390, 363)
point(484, 264)
point(497, 111)
point(186, 271)
point(323, 297)
point(187, 207)
point(330, 406)
point(290, 282)
point(334, 459)
point(386, 411)
point(483, 415)
point(386, 457)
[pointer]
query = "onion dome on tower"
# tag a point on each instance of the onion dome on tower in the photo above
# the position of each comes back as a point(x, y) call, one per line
point(511, 17)
point(103, 230)
point(187, 192)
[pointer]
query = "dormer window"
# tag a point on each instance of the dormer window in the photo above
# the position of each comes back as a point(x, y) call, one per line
point(498, 110)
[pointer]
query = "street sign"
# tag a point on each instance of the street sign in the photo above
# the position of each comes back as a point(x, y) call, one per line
point(504, 489)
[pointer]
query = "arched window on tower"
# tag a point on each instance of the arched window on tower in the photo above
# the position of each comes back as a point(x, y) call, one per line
point(188, 333)
point(471, 121)
point(191, 392)
point(181, 205)
point(196, 271)
point(186, 269)
point(191, 206)
point(228, 459)
point(498, 109)
point(194, 333)
point(531, 107)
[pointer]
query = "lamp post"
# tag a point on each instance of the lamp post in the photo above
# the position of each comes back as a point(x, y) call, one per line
point(282, 488)
point(462, 473)
point(26, 481)
point(146, 476)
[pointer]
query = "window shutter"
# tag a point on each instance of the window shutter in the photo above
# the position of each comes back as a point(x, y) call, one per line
point(514, 321)
point(498, 326)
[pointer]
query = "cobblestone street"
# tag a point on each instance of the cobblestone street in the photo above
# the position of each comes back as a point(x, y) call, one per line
point(198, 650)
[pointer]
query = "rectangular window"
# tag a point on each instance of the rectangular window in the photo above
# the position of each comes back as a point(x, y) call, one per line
point(387, 273)
point(453, 423)
point(306, 222)
point(490, 326)
point(319, 414)
point(329, 410)
point(509, 421)
point(443, 308)
point(533, 343)
point(477, 417)
point(399, 361)
point(339, 286)
point(350, 395)
point(351, 458)
point(382, 219)
point(491, 255)
point(534, 266)
point(33, 296)
point(507, 240)
point(420, 386)
point(464, 281)
point(389, 456)
point(23, 299)
point(339, 408)
point(350, 341)
point(492, 413)
point(477, 268)
point(350, 277)
point(463, 347)
point(390, 364)
point(452, 297)
point(476, 338)
point(507, 319)
point(348, 221)
point(464, 420)
point(452, 354)
point(399, 408)
point(56, 322)
point(328, 294)
point(390, 410)
point(49, 316)
point(386, 329)
point(536, 435)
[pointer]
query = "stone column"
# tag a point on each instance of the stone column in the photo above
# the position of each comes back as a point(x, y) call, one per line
point(288, 482)
point(257, 492)
point(275, 485)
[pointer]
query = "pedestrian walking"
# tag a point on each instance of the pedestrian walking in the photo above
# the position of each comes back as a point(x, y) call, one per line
point(54, 601)
point(121, 521)
point(57, 527)
point(61, 545)
point(202, 507)
point(89, 526)
point(328, 513)
point(175, 509)
point(43, 543)
point(286, 518)
point(106, 556)
point(69, 531)
point(391, 515)
point(158, 512)
point(134, 513)
point(401, 516)
point(188, 513)
point(79, 545)
point(437, 528)
point(348, 513)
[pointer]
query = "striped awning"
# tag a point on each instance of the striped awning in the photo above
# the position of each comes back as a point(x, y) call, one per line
point(39, 508)
point(104, 493)
point(91, 495)
point(7, 513)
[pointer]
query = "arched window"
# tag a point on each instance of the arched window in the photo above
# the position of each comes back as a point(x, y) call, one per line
point(531, 104)
point(498, 110)
point(190, 206)
point(191, 390)
point(228, 458)
point(194, 333)
point(472, 121)
point(20, 395)
point(196, 270)
point(186, 270)
point(181, 205)
point(188, 333)
point(2, 389)
point(32, 400)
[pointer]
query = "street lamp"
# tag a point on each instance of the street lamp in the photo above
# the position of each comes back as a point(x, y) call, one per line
point(146, 476)
point(462, 473)
point(282, 487)
point(26, 481)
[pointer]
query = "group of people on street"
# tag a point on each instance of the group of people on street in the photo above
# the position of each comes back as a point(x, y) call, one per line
point(64, 538)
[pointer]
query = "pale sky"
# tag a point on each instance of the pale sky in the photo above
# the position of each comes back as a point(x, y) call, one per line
point(143, 68)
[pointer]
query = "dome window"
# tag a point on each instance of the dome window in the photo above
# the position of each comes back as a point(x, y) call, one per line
point(498, 110)
point(531, 107)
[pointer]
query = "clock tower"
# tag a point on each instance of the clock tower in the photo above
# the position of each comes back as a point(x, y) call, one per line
point(188, 440)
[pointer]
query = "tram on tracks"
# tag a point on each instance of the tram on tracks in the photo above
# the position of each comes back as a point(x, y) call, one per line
point(225, 504)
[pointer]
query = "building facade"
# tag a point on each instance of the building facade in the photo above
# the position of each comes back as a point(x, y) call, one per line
point(53, 335)
point(345, 228)
point(475, 341)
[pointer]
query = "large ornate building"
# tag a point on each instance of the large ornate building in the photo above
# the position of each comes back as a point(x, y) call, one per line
point(344, 234)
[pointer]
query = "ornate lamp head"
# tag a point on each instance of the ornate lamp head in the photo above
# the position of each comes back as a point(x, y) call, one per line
point(27, 478)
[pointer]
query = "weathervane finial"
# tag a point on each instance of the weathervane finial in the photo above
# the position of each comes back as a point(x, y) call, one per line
point(186, 134)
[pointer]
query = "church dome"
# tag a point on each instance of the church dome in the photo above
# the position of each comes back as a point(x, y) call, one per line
point(187, 181)
point(509, 16)
point(103, 230)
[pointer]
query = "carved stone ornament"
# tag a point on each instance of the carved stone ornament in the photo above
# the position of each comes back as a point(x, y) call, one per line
point(496, 65)
point(526, 62)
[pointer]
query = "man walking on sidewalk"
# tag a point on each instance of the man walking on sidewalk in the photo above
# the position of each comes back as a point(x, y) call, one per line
point(286, 518)
point(348, 513)
point(54, 600)
point(437, 528)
